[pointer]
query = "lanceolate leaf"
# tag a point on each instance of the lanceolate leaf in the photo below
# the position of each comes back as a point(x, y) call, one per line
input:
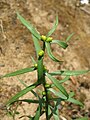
point(36, 44)
point(29, 26)
point(58, 94)
point(49, 112)
point(69, 73)
point(22, 82)
point(37, 115)
point(71, 94)
point(69, 37)
point(18, 72)
point(55, 110)
point(29, 101)
point(54, 27)
point(39, 109)
point(72, 100)
point(60, 43)
point(40, 60)
point(25, 85)
point(58, 72)
point(50, 53)
point(40, 70)
point(34, 62)
point(57, 84)
point(56, 116)
point(21, 93)
point(82, 118)
point(62, 81)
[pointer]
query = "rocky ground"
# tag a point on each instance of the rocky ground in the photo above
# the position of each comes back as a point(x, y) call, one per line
point(16, 49)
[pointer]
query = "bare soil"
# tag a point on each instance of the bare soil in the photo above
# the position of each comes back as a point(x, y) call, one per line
point(16, 49)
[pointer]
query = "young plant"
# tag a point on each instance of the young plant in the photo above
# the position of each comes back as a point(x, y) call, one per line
point(53, 93)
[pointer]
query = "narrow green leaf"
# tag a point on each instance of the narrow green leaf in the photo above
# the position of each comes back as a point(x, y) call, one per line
point(25, 85)
point(18, 72)
point(69, 73)
point(40, 60)
point(56, 93)
point(71, 94)
point(56, 117)
point(60, 43)
point(36, 44)
point(65, 79)
point(54, 27)
point(34, 62)
point(49, 112)
point(50, 53)
point(39, 109)
point(62, 81)
point(40, 70)
point(58, 72)
point(22, 82)
point(55, 99)
point(72, 100)
point(21, 93)
point(55, 110)
point(29, 26)
point(37, 115)
point(82, 118)
point(29, 101)
point(57, 84)
point(69, 37)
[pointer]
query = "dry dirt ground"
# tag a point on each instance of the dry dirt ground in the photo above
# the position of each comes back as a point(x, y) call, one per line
point(16, 49)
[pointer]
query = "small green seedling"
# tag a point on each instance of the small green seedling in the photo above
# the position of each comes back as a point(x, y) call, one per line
point(53, 93)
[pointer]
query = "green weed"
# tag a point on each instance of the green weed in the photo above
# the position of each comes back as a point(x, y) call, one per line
point(45, 99)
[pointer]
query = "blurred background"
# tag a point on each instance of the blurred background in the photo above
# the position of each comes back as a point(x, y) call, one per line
point(16, 49)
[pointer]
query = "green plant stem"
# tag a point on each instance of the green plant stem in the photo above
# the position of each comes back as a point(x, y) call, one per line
point(47, 101)
point(41, 79)
point(44, 46)
point(45, 89)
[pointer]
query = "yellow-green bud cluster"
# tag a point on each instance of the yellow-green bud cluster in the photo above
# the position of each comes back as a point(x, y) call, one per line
point(47, 86)
point(43, 93)
point(43, 38)
point(45, 69)
point(47, 39)
point(41, 53)
point(35, 65)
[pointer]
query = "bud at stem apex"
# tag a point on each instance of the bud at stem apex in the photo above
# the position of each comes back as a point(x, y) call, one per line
point(41, 53)
point(47, 39)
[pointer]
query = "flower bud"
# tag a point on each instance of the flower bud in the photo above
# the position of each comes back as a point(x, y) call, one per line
point(43, 93)
point(49, 39)
point(45, 69)
point(43, 37)
point(35, 65)
point(47, 86)
point(41, 53)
